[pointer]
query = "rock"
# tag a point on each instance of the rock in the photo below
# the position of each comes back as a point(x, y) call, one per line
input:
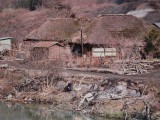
point(9, 97)
point(4, 66)
point(83, 88)
point(89, 97)
point(138, 94)
point(117, 92)
point(61, 84)
point(141, 85)
point(18, 94)
point(25, 99)
point(30, 99)
point(95, 87)
point(132, 93)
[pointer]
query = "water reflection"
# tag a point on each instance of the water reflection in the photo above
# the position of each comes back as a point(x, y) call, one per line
point(38, 112)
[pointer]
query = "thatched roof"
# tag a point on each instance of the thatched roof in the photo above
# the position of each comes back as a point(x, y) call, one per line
point(55, 30)
point(111, 29)
point(108, 29)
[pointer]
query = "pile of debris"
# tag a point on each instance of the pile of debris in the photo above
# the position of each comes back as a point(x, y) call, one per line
point(137, 68)
point(87, 88)
point(36, 84)
point(112, 90)
point(92, 93)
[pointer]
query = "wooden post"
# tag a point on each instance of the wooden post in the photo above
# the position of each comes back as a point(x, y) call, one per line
point(82, 41)
point(59, 51)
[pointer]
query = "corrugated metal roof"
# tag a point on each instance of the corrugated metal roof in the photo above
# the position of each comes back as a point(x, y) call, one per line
point(44, 44)
point(157, 24)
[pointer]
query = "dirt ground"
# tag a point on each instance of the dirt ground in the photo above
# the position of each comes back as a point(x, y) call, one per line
point(94, 84)
point(155, 75)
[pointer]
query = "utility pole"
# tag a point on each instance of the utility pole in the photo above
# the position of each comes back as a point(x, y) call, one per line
point(82, 41)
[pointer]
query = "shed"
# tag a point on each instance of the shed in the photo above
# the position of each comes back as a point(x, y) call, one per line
point(50, 38)
point(46, 50)
point(6, 43)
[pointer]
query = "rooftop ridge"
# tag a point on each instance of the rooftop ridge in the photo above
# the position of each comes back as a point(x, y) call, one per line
point(52, 19)
point(113, 15)
point(4, 38)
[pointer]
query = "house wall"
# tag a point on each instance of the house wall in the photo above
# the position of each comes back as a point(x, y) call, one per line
point(90, 58)
point(5, 44)
point(104, 57)
point(39, 53)
point(8, 48)
point(55, 52)
point(104, 52)
point(58, 52)
point(26, 45)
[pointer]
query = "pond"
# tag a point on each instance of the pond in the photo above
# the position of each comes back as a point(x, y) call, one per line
point(38, 112)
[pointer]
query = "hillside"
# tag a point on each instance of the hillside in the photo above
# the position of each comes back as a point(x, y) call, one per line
point(89, 8)
point(92, 8)
point(20, 17)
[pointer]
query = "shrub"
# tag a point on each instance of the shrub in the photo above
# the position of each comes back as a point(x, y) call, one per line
point(152, 41)
point(29, 4)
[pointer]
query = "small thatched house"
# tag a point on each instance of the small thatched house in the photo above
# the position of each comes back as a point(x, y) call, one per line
point(108, 36)
point(56, 29)
point(48, 41)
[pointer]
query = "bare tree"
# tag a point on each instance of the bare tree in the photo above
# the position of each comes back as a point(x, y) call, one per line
point(39, 65)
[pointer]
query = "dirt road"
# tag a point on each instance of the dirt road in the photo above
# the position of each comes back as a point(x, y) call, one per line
point(147, 76)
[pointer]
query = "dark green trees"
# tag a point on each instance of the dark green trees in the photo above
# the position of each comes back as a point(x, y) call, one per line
point(152, 44)
point(30, 4)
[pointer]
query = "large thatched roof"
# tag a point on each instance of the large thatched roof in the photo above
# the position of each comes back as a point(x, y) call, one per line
point(107, 29)
point(111, 29)
point(56, 30)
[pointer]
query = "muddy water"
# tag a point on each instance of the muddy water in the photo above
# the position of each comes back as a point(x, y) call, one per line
point(38, 112)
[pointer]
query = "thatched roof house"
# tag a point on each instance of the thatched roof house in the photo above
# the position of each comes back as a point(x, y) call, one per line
point(107, 29)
